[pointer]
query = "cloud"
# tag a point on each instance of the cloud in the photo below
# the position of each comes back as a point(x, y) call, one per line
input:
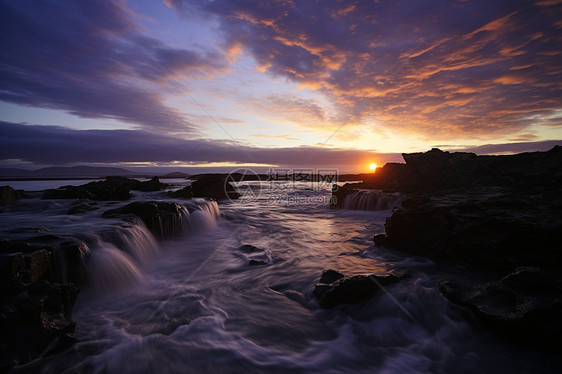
point(90, 59)
point(58, 146)
point(439, 70)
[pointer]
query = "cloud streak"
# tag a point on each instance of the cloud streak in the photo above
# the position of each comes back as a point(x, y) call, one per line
point(469, 68)
point(59, 146)
point(89, 58)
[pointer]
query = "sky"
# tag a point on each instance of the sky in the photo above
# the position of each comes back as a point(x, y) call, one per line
point(279, 83)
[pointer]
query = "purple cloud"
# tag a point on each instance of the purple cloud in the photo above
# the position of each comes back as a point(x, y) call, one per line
point(59, 146)
point(84, 57)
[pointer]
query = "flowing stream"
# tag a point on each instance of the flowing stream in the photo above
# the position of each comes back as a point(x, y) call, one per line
point(196, 304)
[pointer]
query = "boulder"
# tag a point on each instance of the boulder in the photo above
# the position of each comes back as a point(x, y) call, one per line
point(9, 195)
point(163, 219)
point(36, 320)
point(35, 315)
point(489, 228)
point(215, 186)
point(524, 306)
point(335, 288)
point(339, 194)
point(184, 193)
point(110, 189)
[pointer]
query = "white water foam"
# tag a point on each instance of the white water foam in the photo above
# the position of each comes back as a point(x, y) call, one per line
point(372, 200)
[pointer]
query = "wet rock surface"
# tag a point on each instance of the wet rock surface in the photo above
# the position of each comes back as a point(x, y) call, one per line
point(163, 219)
point(524, 306)
point(495, 215)
point(36, 310)
point(215, 186)
point(9, 195)
point(110, 189)
point(335, 288)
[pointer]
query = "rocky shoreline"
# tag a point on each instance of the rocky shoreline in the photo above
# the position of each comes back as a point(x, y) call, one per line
point(41, 274)
point(493, 215)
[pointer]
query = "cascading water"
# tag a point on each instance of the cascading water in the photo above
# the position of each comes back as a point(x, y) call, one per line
point(239, 296)
point(372, 200)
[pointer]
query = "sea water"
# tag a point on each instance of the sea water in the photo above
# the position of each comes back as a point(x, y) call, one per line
point(194, 304)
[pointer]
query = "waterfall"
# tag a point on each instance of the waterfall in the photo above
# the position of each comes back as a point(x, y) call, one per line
point(372, 200)
point(111, 269)
point(205, 216)
point(117, 255)
point(135, 240)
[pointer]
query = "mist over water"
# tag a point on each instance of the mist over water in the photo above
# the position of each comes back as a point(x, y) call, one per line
point(195, 304)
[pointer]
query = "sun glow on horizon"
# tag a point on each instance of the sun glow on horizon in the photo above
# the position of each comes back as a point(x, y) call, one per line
point(373, 167)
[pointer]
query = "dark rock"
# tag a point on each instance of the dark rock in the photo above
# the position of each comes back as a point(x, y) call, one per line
point(330, 276)
point(350, 290)
point(163, 219)
point(339, 194)
point(36, 264)
point(248, 248)
point(110, 189)
point(82, 206)
point(35, 319)
point(524, 306)
point(215, 186)
point(152, 185)
point(185, 193)
point(472, 228)
point(379, 239)
point(68, 265)
point(257, 262)
point(9, 195)
point(12, 268)
point(436, 170)
point(35, 313)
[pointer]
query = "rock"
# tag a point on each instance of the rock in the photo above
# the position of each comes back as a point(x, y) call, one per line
point(339, 194)
point(524, 306)
point(214, 186)
point(35, 319)
point(68, 263)
point(9, 195)
point(36, 264)
point(257, 262)
point(35, 313)
point(111, 189)
point(435, 171)
point(82, 206)
point(350, 290)
point(330, 276)
point(488, 228)
point(248, 248)
point(152, 185)
point(163, 219)
point(12, 268)
point(182, 193)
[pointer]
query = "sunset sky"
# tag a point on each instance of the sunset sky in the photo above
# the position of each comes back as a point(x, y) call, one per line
point(275, 83)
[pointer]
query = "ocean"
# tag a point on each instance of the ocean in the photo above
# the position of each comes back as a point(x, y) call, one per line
point(205, 301)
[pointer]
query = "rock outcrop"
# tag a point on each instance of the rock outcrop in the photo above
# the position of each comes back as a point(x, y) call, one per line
point(215, 186)
point(163, 219)
point(490, 214)
point(9, 195)
point(335, 288)
point(111, 189)
point(524, 306)
point(36, 311)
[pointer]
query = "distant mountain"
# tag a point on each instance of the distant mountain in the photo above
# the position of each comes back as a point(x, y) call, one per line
point(14, 172)
point(64, 172)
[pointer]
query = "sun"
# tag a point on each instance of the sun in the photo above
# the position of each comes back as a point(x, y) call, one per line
point(373, 166)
